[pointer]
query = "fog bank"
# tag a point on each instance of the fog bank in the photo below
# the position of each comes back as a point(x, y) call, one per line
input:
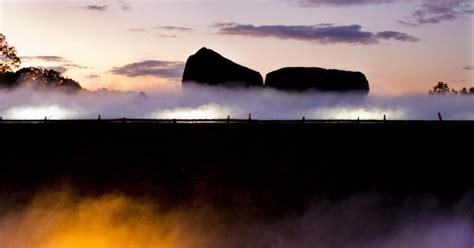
point(217, 103)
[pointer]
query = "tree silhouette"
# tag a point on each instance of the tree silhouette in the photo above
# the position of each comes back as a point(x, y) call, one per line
point(37, 77)
point(9, 60)
point(441, 89)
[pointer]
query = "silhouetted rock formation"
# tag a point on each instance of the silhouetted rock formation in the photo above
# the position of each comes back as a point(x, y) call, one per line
point(210, 68)
point(38, 78)
point(303, 78)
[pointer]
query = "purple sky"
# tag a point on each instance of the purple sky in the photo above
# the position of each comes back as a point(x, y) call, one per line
point(403, 46)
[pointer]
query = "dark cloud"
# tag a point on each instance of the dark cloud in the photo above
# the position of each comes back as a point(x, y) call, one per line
point(324, 34)
point(100, 8)
point(469, 68)
point(163, 69)
point(436, 11)
point(317, 3)
point(45, 58)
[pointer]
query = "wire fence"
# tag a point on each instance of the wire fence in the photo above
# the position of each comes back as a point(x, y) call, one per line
point(223, 121)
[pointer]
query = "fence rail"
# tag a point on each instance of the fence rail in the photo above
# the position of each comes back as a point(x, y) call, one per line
point(224, 121)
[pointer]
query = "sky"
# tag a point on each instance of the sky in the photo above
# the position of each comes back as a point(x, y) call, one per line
point(402, 46)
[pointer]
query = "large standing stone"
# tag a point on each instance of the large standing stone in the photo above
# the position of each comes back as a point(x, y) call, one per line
point(210, 68)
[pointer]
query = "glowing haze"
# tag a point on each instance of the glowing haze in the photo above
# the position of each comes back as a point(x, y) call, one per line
point(403, 46)
point(198, 102)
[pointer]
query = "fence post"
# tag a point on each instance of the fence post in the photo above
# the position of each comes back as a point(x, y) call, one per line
point(358, 120)
point(304, 119)
point(45, 119)
point(384, 118)
point(98, 118)
point(228, 119)
point(250, 117)
point(440, 116)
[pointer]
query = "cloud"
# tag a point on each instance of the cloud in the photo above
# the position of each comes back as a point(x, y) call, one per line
point(45, 58)
point(436, 11)
point(162, 28)
point(174, 28)
point(60, 69)
point(392, 35)
point(317, 3)
point(167, 36)
point(138, 30)
point(469, 68)
point(124, 5)
point(100, 8)
point(92, 76)
point(164, 69)
point(75, 66)
point(323, 33)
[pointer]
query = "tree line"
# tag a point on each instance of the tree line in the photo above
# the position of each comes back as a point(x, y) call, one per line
point(442, 88)
point(11, 78)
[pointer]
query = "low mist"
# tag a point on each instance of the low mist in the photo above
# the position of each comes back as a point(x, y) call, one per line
point(62, 219)
point(198, 102)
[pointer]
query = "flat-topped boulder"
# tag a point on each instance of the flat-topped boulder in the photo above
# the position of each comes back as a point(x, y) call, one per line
point(210, 68)
point(319, 79)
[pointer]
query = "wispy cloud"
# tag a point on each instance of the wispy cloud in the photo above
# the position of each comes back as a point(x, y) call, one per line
point(469, 68)
point(59, 69)
point(138, 29)
point(163, 31)
point(323, 33)
point(317, 3)
point(74, 66)
point(93, 76)
point(174, 28)
point(124, 5)
point(157, 68)
point(167, 36)
point(99, 8)
point(429, 11)
point(46, 58)
point(436, 11)
point(162, 28)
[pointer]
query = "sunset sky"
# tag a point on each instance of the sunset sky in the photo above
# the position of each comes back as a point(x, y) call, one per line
point(403, 46)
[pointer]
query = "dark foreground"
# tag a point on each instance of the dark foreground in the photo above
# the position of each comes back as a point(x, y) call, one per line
point(267, 169)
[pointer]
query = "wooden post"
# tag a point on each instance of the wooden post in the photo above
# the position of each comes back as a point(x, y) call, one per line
point(440, 117)
point(98, 118)
point(358, 120)
point(45, 119)
point(250, 117)
point(384, 118)
point(304, 119)
point(228, 119)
